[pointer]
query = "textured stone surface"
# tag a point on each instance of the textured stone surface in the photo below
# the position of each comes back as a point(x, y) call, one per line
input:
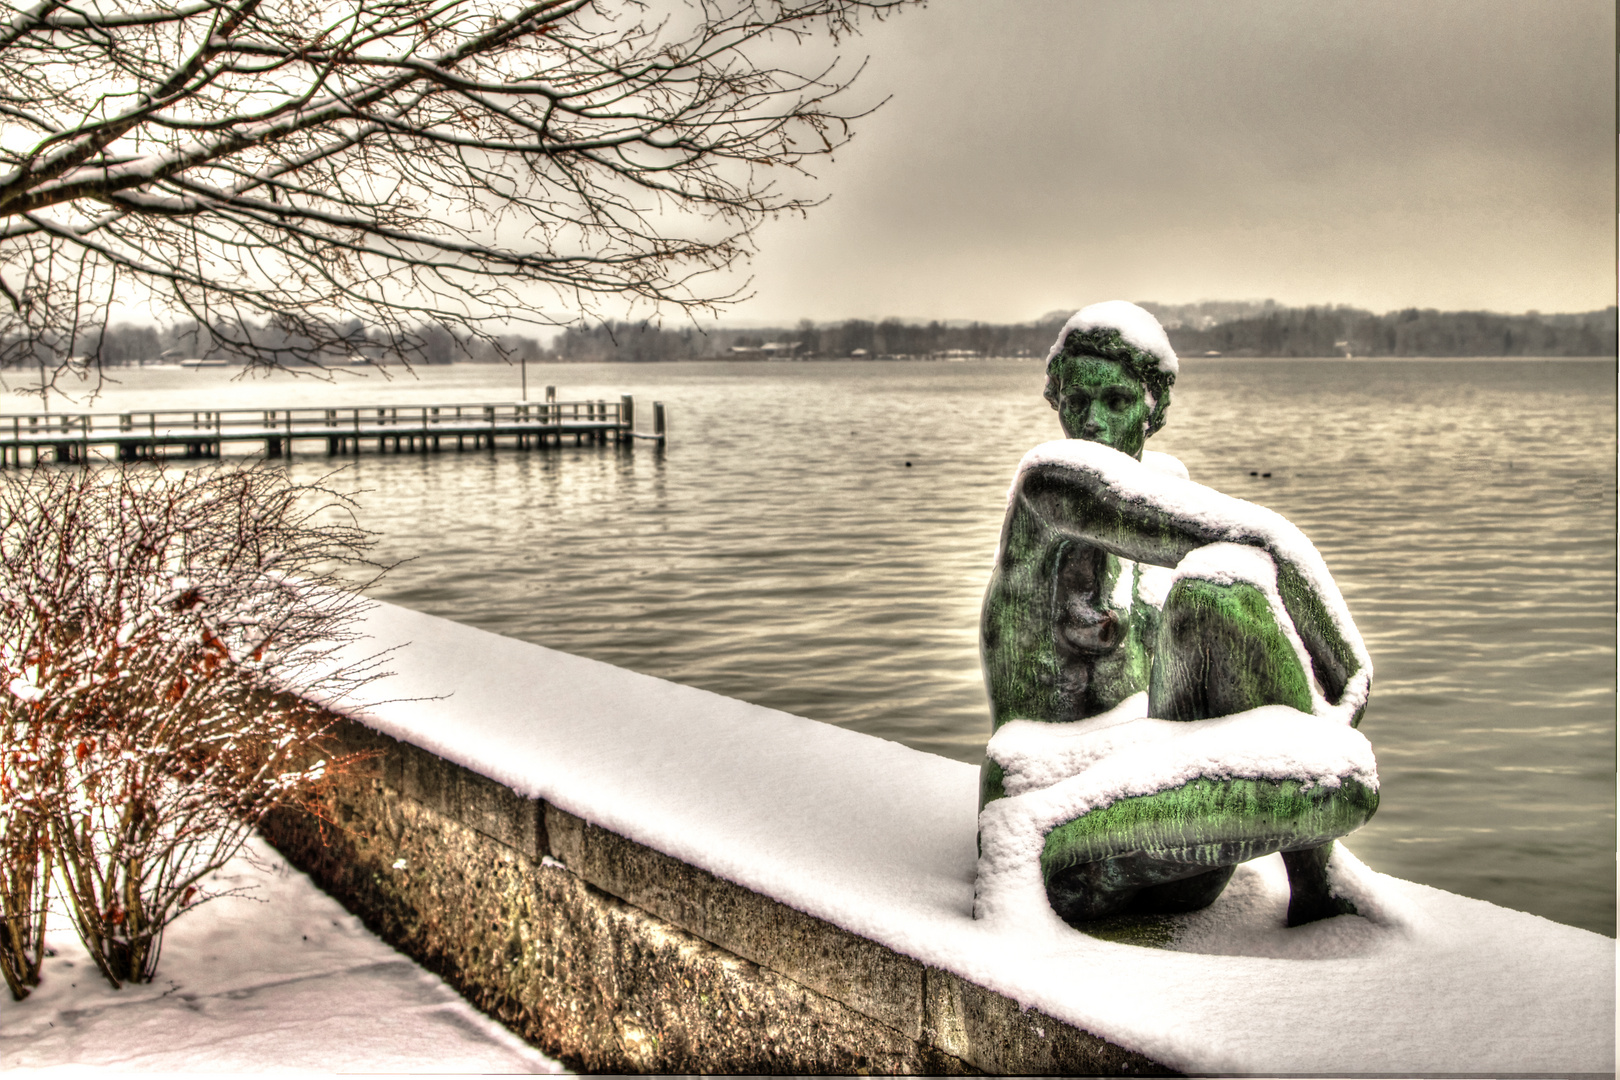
point(862, 974)
point(614, 957)
point(999, 1037)
point(586, 977)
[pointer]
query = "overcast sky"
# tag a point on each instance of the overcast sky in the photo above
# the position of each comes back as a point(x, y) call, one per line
point(1043, 154)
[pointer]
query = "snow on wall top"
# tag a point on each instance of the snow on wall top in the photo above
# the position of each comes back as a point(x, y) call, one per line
point(880, 840)
point(1136, 325)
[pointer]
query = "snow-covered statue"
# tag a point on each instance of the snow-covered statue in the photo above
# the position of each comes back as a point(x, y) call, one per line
point(1174, 678)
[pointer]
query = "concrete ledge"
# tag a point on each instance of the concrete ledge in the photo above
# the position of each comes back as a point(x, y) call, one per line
point(615, 957)
point(820, 883)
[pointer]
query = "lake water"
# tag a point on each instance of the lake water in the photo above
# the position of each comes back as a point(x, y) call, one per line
point(817, 538)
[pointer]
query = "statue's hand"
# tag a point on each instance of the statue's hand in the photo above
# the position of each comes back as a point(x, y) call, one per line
point(1085, 630)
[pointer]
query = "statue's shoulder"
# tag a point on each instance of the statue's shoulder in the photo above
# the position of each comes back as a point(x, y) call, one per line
point(1097, 459)
point(1167, 464)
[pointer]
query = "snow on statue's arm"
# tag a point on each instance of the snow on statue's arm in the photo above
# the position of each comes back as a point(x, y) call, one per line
point(1092, 494)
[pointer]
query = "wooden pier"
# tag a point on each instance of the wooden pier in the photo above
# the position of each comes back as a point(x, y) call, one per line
point(158, 434)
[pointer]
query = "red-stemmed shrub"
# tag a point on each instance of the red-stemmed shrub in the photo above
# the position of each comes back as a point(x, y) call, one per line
point(159, 632)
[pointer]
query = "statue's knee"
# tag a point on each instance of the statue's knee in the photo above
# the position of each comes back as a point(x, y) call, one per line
point(1221, 650)
point(1194, 603)
point(1222, 620)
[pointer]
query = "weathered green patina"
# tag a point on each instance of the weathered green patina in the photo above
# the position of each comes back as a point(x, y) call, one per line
point(1220, 651)
point(1206, 822)
point(1064, 638)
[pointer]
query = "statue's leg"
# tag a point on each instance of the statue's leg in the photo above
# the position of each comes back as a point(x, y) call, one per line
point(1175, 850)
point(1308, 896)
point(1221, 651)
point(1116, 886)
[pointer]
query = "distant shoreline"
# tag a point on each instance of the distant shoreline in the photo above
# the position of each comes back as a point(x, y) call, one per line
point(1193, 360)
point(1226, 329)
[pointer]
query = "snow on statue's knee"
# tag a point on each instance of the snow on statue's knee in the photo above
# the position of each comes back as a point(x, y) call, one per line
point(1173, 675)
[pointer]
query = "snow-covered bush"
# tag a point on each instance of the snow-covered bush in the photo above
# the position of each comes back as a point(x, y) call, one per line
point(152, 624)
point(27, 768)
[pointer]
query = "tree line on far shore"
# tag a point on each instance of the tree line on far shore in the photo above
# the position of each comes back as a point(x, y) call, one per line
point(1344, 331)
point(1236, 329)
point(127, 345)
point(1268, 331)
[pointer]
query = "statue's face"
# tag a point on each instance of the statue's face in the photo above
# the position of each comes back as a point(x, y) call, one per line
point(1101, 401)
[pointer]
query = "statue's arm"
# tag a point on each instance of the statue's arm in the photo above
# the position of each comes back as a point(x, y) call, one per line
point(1092, 494)
point(1060, 634)
point(1017, 631)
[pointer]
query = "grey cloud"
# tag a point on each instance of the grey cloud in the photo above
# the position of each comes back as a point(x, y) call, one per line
point(1454, 154)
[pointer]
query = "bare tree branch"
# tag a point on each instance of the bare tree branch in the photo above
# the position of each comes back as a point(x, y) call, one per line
point(315, 161)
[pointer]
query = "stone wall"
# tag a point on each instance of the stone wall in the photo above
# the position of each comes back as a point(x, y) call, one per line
point(614, 957)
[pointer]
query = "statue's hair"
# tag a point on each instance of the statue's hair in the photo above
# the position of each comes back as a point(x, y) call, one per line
point(1106, 343)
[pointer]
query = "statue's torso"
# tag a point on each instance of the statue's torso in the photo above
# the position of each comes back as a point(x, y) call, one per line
point(1065, 633)
point(1068, 629)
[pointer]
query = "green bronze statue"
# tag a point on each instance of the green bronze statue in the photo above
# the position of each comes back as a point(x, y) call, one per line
point(1134, 612)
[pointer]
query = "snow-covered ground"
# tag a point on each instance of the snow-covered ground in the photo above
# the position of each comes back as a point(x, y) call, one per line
point(880, 839)
point(282, 979)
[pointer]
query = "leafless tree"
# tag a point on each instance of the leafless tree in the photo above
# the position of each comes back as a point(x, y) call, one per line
point(151, 626)
point(301, 162)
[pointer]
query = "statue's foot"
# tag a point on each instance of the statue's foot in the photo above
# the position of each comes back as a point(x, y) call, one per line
point(1078, 897)
point(1188, 894)
point(1309, 895)
point(1134, 884)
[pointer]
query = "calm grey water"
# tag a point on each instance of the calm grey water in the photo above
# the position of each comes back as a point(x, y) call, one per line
point(783, 551)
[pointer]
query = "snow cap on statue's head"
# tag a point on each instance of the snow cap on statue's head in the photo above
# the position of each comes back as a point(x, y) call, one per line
point(1118, 330)
point(1136, 327)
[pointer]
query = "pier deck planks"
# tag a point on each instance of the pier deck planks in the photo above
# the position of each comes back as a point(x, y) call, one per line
point(154, 434)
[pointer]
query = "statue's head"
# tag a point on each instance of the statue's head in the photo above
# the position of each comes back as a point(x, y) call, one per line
point(1109, 376)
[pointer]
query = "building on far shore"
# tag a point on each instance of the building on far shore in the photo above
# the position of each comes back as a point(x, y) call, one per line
point(770, 350)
